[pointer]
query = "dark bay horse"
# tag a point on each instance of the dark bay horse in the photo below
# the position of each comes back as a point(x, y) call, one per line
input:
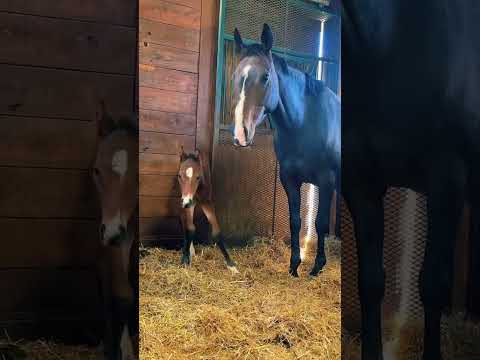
point(115, 173)
point(194, 178)
point(411, 118)
point(305, 116)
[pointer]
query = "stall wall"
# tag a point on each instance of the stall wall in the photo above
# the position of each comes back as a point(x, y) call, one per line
point(58, 59)
point(177, 43)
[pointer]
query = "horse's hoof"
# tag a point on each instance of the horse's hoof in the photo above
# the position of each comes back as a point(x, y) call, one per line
point(315, 271)
point(292, 272)
point(186, 261)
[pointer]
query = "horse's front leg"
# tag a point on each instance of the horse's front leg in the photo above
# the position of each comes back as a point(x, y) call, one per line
point(209, 211)
point(445, 200)
point(292, 188)
point(322, 224)
point(366, 208)
point(188, 249)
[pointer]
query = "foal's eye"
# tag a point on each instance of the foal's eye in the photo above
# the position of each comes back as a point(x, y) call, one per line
point(96, 172)
point(198, 177)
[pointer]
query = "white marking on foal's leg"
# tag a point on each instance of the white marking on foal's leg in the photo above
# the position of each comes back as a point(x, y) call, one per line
point(126, 345)
point(120, 162)
point(192, 250)
point(233, 269)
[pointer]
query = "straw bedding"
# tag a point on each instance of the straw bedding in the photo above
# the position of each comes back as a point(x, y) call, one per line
point(205, 312)
point(460, 341)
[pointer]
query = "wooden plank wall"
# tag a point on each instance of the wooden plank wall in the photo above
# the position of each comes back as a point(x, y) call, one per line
point(58, 59)
point(177, 55)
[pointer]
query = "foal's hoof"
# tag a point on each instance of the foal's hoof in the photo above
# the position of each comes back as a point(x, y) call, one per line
point(293, 272)
point(315, 271)
point(232, 267)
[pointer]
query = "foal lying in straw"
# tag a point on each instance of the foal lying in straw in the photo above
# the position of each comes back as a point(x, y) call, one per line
point(196, 188)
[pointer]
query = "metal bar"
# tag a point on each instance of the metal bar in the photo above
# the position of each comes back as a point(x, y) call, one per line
point(315, 7)
point(294, 55)
point(219, 78)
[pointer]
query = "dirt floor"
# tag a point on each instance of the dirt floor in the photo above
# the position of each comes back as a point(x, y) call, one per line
point(460, 341)
point(205, 312)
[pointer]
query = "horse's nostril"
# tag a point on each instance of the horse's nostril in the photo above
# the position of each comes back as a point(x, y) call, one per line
point(102, 230)
point(236, 142)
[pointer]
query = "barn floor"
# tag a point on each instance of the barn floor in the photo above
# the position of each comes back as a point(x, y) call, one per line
point(46, 350)
point(262, 313)
point(459, 341)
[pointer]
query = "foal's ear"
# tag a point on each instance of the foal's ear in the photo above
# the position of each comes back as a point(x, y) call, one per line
point(238, 40)
point(267, 38)
point(105, 123)
point(182, 154)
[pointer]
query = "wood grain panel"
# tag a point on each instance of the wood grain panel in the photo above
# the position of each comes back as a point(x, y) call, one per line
point(169, 101)
point(48, 242)
point(152, 206)
point(65, 94)
point(167, 79)
point(206, 88)
point(164, 34)
point(169, 226)
point(33, 40)
point(168, 57)
point(159, 185)
point(167, 122)
point(43, 290)
point(44, 193)
point(47, 142)
point(197, 4)
point(170, 13)
point(109, 11)
point(159, 143)
point(159, 163)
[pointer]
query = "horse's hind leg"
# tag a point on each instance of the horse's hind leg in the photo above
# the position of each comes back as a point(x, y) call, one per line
point(322, 224)
point(189, 228)
point(292, 188)
point(209, 212)
point(366, 207)
point(445, 199)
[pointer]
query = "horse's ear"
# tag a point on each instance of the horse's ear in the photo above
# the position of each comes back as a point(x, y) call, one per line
point(267, 38)
point(238, 40)
point(105, 123)
point(182, 154)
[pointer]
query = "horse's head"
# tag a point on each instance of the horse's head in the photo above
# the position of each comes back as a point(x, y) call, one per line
point(115, 175)
point(190, 176)
point(255, 84)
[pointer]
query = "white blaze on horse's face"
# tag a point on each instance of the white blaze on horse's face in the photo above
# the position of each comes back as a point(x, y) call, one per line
point(239, 134)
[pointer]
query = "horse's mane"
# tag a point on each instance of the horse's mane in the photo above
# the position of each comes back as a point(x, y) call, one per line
point(190, 157)
point(313, 86)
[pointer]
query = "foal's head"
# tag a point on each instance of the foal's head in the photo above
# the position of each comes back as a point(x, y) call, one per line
point(115, 175)
point(190, 176)
point(255, 82)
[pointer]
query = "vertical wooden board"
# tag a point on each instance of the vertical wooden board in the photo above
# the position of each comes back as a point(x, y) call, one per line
point(169, 101)
point(167, 79)
point(206, 86)
point(168, 57)
point(46, 193)
point(48, 242)
point(159, 185)
point(47, 142)
point(109, 11)
point(170, 13)
point(169, 35)
point(29, 91)
point(172, 123)
point(159, 163)
point(39, 41)
point(159, 143)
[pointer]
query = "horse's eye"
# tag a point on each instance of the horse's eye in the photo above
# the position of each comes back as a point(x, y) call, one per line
point(198, 177)
point(265, 77)
point(96, 172)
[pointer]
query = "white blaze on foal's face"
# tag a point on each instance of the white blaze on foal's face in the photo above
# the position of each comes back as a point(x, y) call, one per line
point(120, 162)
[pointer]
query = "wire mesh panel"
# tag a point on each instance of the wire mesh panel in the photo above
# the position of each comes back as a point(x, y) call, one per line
point(405, 230)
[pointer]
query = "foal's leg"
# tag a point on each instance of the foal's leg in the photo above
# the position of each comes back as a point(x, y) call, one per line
point(189, 226)
point(445, 199)
point(322, 224)
point(209, 211)
point(292, 188)
point(104, 280)
point(367, 213)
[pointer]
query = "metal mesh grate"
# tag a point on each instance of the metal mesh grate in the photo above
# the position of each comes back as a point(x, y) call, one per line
point(294, 24)
point(405, 233)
